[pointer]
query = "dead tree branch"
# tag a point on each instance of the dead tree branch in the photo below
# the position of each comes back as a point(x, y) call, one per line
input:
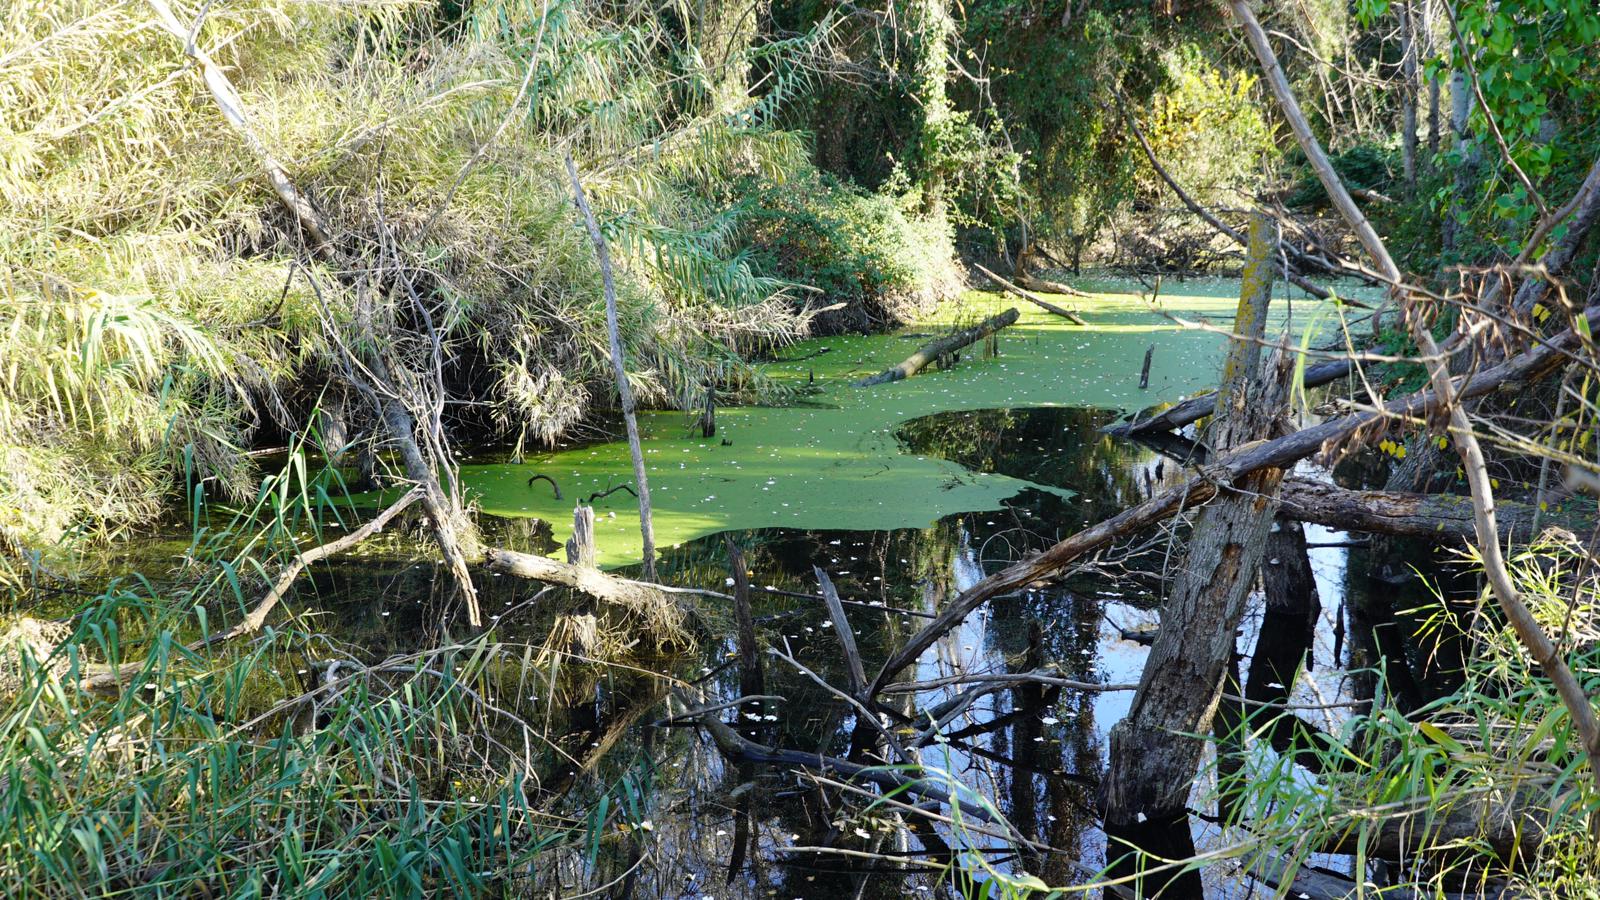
point(1033, 298)
point(619, 371)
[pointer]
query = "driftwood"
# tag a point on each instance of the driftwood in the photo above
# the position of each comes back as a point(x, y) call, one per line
point(1529, 365)
point(257, 616)
point(940, 347)
point(591, 581)
point(1035, 299)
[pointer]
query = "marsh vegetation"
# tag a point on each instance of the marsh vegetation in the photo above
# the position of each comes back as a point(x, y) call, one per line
point(565, 449)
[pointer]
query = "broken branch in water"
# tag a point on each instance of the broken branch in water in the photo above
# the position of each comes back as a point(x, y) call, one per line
point(598, 495)
point(257, 617)
point(937, 348)
point(735, 746)
point(553, 486)
point(1196, 408)
point(1035, 299)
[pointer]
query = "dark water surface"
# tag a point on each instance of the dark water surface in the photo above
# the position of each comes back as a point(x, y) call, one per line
point(698, 826)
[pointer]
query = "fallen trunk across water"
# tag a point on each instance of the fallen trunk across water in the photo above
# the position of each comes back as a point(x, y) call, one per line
point(932, 350)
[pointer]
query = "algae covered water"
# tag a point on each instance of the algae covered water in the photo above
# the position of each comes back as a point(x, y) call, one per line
point(833, 460)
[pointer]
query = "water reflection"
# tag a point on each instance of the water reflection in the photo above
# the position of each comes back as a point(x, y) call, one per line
point(1036, 752)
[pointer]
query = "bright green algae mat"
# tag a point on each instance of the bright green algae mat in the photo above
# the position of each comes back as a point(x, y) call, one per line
point(833, 462)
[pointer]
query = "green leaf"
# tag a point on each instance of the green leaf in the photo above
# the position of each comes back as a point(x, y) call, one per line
point(1440, 737)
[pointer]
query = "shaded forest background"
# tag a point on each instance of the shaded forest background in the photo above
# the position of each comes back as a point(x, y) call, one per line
point(765, 171)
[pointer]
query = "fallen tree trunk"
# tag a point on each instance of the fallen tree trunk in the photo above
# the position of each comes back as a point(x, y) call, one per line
point(1530, 365)
point(1196, 408)
point(1033, 298)
point(1046, 286)
point(591, 581)
point(1295, 879)
point(937, 348)
point(1398, 513)
point(663, 610)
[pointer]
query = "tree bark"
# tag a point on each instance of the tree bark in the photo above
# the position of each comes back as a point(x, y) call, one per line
point(442, 514)
point(751, 681)
point(619, 371)
point(1408, 94)
point(648, 599)
point(932, 350)
point(581, 548)
point(1455, 221)
point(1401, 514)
point(1156, 750)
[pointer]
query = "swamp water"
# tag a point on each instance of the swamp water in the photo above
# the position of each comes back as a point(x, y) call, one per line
point(905, 494)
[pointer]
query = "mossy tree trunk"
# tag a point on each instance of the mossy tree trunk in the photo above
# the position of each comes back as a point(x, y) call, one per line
point(929, 30)
point(1154, 752)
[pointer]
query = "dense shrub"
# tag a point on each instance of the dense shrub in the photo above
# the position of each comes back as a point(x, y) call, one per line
point(861, 249)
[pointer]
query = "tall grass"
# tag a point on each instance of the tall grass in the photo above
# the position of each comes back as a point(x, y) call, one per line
point(290, 765)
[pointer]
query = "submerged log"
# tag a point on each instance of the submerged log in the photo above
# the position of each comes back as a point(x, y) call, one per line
point(1035, 299)
point(937, 348)
point(738, 747)
point(1196, 408)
